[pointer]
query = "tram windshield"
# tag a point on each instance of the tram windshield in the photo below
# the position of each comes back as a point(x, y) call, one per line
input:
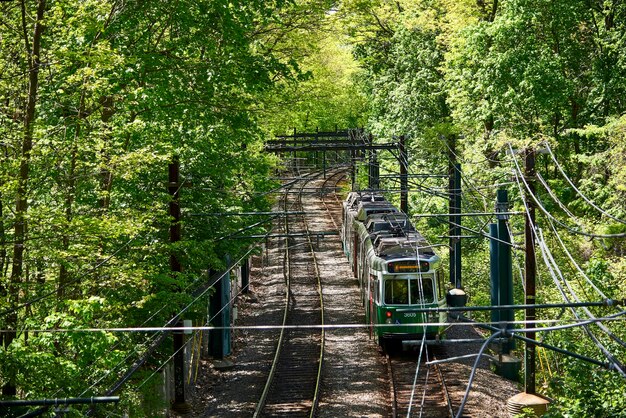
point(409, 290)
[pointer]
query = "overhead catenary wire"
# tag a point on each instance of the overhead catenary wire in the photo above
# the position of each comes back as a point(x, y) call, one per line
point(209, 320)
point(610, 357)
point(554, 197)
point(581, 194)
point(158, 340)
point(554, 270)
point(417, 369)
point(518, 176)
point(586, 310)
point(572, 230)
point(573, 322)
point(570, 215)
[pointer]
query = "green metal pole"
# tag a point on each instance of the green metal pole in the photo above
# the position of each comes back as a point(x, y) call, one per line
point(457, 226)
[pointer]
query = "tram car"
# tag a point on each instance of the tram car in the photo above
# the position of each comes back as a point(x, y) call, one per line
point(398, 271)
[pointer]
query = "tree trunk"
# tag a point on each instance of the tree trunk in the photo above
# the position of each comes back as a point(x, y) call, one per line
point(3, 250)
point(69, 214)
point(21, 206)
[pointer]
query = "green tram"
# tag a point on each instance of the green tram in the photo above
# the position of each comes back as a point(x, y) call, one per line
point(398, 271)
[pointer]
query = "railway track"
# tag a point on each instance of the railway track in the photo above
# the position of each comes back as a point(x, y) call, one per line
point(417, 390)
point(293, 385)
point(334, 211)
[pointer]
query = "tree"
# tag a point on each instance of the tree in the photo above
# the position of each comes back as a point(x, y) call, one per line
point(107, 95)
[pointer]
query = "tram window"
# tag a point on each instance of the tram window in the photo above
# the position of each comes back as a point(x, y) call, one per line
point(396, 292)
point(423, 295)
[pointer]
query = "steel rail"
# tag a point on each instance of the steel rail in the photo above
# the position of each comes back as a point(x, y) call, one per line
point(444, 387)
point(287, 275)
point(392, 387)
point(399, 382)
point(321, 295)
point(332, 218)
point(318, 276)
point(281, 340)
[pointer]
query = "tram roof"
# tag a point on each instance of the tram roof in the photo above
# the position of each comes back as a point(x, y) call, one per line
point(411, 245)
point(354, 198)
point(388, 222)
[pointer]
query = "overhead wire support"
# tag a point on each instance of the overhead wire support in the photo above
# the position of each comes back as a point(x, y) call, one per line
point(478, 214)
point(328, 134)
point(180, 403)
point(413, 176)
point(210, 214)
point(330, 147)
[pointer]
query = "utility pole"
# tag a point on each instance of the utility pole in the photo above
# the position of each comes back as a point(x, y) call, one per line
point(404, 178)
point(370, 162)
point(174, 186)
point(505, 263)
point(374, 169)
point(352, 136)
point(174, 191)
point(529, 398)
point(245, 275)
point(495, 271)
point(375, 176)
point(454, 209)
point(531, 272)
point(316, 153)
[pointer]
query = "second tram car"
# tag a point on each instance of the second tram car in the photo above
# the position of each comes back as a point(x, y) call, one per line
point(398, 271)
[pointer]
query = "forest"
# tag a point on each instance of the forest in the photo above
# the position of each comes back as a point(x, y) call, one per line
point(99, 98)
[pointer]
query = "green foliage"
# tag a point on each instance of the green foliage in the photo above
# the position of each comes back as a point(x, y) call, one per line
point(326, 96)
point(124, 88)
point(583, 391)
point(520, 72)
